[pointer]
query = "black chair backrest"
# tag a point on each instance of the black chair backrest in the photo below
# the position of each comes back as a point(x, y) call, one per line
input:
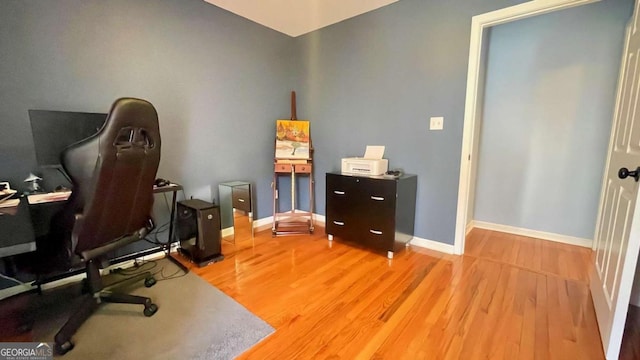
point(113, 174)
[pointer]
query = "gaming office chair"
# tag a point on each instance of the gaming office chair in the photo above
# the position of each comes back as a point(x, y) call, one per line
point(113, 174)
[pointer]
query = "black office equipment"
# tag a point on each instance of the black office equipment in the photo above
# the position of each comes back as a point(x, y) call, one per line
point(375, 212)
point(173, 189)
point(17, 235)
point(53, 131)
point(198, 229)
point(111, 203)
point(161, 182)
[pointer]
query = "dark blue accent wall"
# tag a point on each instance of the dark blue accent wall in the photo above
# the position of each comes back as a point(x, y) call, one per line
point(218, 81)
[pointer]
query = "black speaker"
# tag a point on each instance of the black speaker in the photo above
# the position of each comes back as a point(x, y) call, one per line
point(198, 229)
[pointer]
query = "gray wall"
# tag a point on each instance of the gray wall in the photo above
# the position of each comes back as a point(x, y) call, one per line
point(217, 80)
point(376, 79)
point(549, 98)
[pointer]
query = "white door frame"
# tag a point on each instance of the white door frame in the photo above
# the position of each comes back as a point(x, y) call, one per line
point(474, 100)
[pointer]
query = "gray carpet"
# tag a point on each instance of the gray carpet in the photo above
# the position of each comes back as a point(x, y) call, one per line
point(194, 321)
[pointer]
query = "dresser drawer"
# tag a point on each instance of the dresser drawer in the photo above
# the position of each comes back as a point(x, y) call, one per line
point(339, 226)
point(379, 208)
point(378, 237)
point(379, 189)
point(282, 168)
point(302, 168)
point(298, 168)
point(374, 212)
point(342, 185)
point(341, 195)
point(241, 199)
point(340, 198)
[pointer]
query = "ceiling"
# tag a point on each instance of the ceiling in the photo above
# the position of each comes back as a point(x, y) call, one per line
point(298, 17)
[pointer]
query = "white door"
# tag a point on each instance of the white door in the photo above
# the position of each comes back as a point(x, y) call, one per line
point(618, 236)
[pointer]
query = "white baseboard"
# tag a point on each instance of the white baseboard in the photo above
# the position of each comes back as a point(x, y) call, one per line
point(565, 239)
point(319, 219)
point(227, 231)
point(263, 224)
point(432, 245)
point(14, 290)
point(266, 223)
point(468, 228)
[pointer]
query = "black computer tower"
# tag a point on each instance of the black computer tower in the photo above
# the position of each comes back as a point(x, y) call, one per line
point(198, 229)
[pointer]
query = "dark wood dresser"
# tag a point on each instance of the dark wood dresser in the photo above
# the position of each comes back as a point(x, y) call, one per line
point(372, 211)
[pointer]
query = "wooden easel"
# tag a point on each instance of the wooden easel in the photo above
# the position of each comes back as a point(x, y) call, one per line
point(293, 222)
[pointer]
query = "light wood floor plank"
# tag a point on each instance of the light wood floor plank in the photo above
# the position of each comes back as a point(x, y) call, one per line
point(508, 297)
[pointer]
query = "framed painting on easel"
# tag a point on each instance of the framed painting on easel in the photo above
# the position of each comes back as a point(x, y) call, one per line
point(292, 139)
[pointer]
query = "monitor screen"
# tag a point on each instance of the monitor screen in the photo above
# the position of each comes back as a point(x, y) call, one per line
point(53, 131)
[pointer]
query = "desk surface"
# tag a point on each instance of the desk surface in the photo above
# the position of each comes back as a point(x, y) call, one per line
point(169, 188)
point(16, 230)
point(19, 226)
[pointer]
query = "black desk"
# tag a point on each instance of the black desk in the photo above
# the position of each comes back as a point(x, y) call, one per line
point(17, 235)
point(173, 188)
point(21, 225)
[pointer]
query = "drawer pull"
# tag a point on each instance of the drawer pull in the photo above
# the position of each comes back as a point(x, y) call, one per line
point(375, 232)
point(340, 223)
point(377, 198)
point(241, 200)
point(338, 192)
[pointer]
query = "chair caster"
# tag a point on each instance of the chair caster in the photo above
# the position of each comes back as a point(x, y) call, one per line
point(150, 281)
point(150, 310)
point(64, 348)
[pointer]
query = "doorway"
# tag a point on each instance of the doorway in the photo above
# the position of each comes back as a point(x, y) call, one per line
point(469, 159)
point(478, 51)
point(547, 115)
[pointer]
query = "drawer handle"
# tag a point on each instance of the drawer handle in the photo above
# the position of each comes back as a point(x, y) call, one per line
point(338, 223)
point(375, 232)
point(377, 198)
point(338, 192)
point(241, 200)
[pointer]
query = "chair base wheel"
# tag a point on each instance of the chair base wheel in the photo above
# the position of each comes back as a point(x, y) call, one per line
point(150, 281)
point(150, 310)
point(63, 348)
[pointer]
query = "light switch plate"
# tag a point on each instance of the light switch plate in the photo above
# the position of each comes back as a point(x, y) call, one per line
point(436, 123)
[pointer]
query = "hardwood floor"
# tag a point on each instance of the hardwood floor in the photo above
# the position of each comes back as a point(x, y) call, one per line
point(509, 297)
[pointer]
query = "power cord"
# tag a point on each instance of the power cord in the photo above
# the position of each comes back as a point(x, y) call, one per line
point(162, 277)
point(147, 266)
point(14, 280)
point(142, 267)
point(152, 237)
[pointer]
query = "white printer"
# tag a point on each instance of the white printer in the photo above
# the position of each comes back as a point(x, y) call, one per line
point(371, 163)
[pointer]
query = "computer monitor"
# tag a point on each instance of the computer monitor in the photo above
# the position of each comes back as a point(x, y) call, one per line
point(53, 131)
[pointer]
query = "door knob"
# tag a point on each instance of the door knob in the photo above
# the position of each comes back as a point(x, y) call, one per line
point(624, 172)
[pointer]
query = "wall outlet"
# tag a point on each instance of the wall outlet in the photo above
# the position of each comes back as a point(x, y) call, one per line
point(436, 123)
